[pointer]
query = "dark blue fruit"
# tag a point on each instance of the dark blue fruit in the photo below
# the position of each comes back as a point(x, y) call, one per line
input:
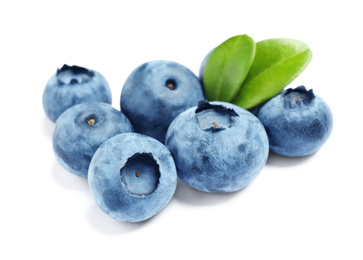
point(155, 93)
point(132, 177)
point(297, 122)
point(217, 146)
point(72, 85)
point(81, 129)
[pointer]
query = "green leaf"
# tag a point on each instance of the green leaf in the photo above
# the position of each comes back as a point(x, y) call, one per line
point(277, 63)
point(227, 67)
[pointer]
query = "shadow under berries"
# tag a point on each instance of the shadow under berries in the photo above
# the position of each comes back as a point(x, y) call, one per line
point(276, 160)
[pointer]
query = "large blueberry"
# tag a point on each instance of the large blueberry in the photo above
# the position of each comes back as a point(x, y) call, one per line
point(73, 85)
point(81, 129)
point(132, 177)
point(297, 122)
point(217, 146)
point(155, 93)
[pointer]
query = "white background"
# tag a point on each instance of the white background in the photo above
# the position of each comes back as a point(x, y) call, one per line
point(307, 208)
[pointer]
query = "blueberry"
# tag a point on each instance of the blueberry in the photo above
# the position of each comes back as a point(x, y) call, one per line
point(73, 85)
point(297, 122)
point(81, 129)
point(217, 146)
point(132, 177)
point(155, 93)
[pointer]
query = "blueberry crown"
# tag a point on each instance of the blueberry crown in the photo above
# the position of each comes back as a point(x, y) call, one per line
point(301, 89)
point(76, 74)
point(128, 175)
point(214, 117)
point(76, 70)
point(298, 96)
point(203, 105)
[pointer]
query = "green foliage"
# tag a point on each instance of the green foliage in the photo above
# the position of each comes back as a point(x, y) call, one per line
point(247, 74)
point(277, 63)
point(227, 68)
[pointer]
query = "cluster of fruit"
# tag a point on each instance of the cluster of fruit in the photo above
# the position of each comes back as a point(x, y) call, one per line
point(166, 129)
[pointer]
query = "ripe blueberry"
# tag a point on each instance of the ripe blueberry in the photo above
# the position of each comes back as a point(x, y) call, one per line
point(155, 93)
point(73, 85)
point(217, 146)
point(81, 129)
point(297, 122)
point(132, 177)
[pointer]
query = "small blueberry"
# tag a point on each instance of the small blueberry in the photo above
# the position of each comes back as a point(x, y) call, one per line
point(132, 177)
point(297, 122)
point(81, 129)
point(155, 93)
point(72, 85)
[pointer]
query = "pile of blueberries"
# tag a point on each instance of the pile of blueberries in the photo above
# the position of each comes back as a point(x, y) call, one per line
point(167, 129)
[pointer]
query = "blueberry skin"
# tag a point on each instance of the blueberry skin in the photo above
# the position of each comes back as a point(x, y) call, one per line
point(108, 185)
point(72, 85)
point(219, 153)
point(155, 93)
point(297, 122)
point(81, 129)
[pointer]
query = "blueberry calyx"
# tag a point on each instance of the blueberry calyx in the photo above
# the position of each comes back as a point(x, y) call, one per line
point(170, 84)
point(140, 174)
point(298, 97)
point(91, 120)
point(214, 117)
point(73, 75)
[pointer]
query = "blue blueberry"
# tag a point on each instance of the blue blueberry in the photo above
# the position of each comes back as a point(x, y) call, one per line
point(73, 85)
point(155, 93)
point(217, 146)
point(81, 129)
point(297, 122)
point(132, 177)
